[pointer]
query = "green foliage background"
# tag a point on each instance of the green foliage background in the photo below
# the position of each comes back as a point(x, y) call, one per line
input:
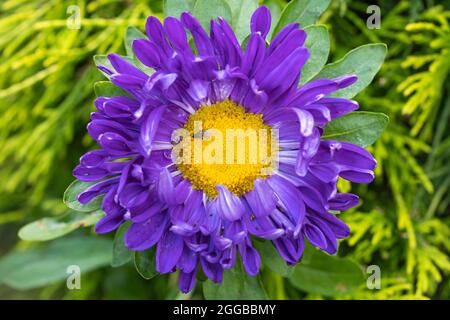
point(46, 93)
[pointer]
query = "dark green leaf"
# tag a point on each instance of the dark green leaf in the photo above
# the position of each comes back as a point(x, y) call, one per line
point(145, 263)
point(364, 61)
point(362, 128)
point(51, 228)
point(236, 285)
point(306, 12)
point(175, 8)
point(72, 192)
point(320, 273)
point(206, 10)
point(42, 265)
point(121, 254)
point(318, 43)
point(241, 11)
point(271, 258)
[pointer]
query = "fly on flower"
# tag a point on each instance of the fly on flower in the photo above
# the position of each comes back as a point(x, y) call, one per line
point(205, 214)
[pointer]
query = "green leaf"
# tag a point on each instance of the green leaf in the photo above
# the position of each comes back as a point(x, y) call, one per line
point(275, 11)
point(271, 258)
point(175, 8)
point(42, 265)
point(121, 254)
point(206, 10)
point(72, 192)
point(241, 11)
point(306, 12)
point(320, 273)
point(51, 228)
point(362, 128)
point(107, 89)
point(364, 61)
point(145, 263)
point(132, 34)
point(318, 43)
point(236, 285)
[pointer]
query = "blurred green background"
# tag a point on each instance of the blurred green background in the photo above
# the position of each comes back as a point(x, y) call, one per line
point(46, 94)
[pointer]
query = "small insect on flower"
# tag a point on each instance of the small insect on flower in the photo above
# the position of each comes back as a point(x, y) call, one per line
point(248, 160)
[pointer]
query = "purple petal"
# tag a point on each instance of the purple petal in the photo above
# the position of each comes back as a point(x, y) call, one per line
point(254, 54)
point(261, 199)
point(141, 236)
point(305, 120)
point(170, 248)
point(198, 90)
point(188, 260)
point(97, 189)
point(176, 34)
point(201, 39)
point(123, 66)
point(155, 32)
point(213, 271)
point(343, 201)
point(115, 144)
point(110, 222)
point(186, 281)
point(228, 205)
point(149, 129)
point(260, 21)
point(315, 236)
point(146, 52)
point(286, 72)
point(165, 188)
point(250, 258)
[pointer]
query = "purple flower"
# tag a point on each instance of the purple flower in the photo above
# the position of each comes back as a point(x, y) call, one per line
point(204, 215)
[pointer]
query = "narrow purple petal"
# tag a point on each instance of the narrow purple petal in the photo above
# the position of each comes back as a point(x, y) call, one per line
point(228, 205)
point(149, 129)
point(146, 52)
point(168, 252)
point(186, 281)
point(261, 21)
point(141, 236)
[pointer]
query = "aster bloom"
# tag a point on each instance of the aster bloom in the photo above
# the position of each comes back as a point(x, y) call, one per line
point(206, 215)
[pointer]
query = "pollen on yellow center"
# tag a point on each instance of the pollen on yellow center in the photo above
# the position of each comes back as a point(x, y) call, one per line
point(241, 144)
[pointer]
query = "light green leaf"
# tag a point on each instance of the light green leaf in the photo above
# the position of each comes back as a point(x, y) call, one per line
point(306, 12)
point(145, 263)
point(42, 265)
point(107, 89)
point(132, 34)
point(206, 10)
point(241, 11)
point(320, 273)
point(275, 11)
point(236, 285)
point(175, 8)
point(51, 228)
point(362, 128)
point(364, 61)
point(121, 254)
point(72, 192)
point(271, 258)
point(318, 43)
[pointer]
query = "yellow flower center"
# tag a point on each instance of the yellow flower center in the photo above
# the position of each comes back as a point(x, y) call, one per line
point(225, 145)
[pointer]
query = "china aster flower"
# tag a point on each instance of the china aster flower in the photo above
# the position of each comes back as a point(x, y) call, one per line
point(206, 215)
